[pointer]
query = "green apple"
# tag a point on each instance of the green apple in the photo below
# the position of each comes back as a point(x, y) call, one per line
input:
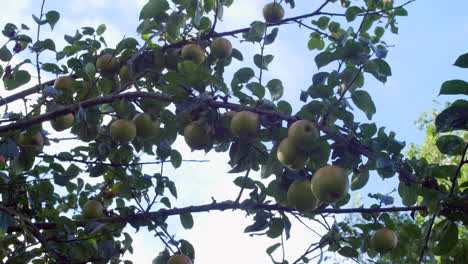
point(273, 12)
point(179, 259)
point(196, 136)
point(300, 196)
point(221, 48)
point(384, 240)
point(289, 156)
point(92, 209)
point(124, 74)
point(330, 184)
point(123, 130)
point(107, 65)
point(145, 126)
point(302, 134)
point(64, 83)
point(62, 122)
point(36, 141)
point(194, 53)
point(245, 124)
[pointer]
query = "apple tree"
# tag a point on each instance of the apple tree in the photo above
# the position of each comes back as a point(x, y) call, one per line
point(127, 104)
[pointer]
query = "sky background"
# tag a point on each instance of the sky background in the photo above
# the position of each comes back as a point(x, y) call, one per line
point(429, 41)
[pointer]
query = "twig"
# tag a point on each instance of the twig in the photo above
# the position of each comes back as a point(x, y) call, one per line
point(244, 182)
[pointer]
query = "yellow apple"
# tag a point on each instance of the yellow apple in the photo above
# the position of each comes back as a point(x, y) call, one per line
point(384, 240)
point(302, 134)
point(92, 209)
point(330, 184)
point(107, 65)
point(194, 53)
point(123, 130)
point(179, 259)
point(145, 126)
point(64, 83)
point(273, 12)
point(36, 141)
point(63, 122)
point(300, 196)
point(196, 136)
point(221, 48)
point(289, 156)
point(245, 124)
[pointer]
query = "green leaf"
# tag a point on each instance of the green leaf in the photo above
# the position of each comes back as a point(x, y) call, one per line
point(270, 38)
point(453, 118)
point(284, 107)
point(275, 87)
point(5, 54)
point(359, 180)
point(400, 12)
point(18, 79)
point(364, 102)
point(348, 252)
point(257, 89)
point(450, 145)
point(154, 9)
point(263, 63)
point(176, 158)
point(448, 237)
point(324, 58)
point(462, 61)
point(408, 194)
point(52, 18)
point(101, 29)
point(187, 248)
point(90, 71)
point(276, 228)
point(244, 74)
point(272, 248)
point(454, 87)
point(186, 220)
point(256, 32)
point(316, 42)
point(352, 12)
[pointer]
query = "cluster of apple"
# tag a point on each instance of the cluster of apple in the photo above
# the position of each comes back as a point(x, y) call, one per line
point(244, 124)
point(142, 125)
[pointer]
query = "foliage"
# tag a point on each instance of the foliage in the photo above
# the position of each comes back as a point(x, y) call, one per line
point(42, 191)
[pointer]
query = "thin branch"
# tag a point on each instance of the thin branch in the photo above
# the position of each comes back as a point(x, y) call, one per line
point(38, 68)
point(219, 206)
point(244, 182)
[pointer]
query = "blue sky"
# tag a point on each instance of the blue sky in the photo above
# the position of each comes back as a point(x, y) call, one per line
point(430, 39)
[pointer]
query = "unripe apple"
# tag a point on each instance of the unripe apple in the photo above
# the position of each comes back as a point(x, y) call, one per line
point(196, 136)
point(124, 74)
point(145, 126)
point(221, 48)
point(273, 12)
point(64, 83)
point(92, 209)
point(300, 196)
point(245, 124)
point(289, 156)
point(194, 53)
point(123, 130)
point(36, 141)
point(107, 65)
point(179, 259)
point(330, 184)
point(302, 134)
point(384, 240)
point(62, 122)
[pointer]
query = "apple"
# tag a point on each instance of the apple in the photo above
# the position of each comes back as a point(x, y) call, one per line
point(221, 48)
point(123, 130)
point(245, 124)
point(124, 74)
point(384, 240)
point(302, 134)
point(179, 259)
point(63, 122)
point(64, 83)
point(36, 141)
point(300, 196)
point(145, 126)
point(330, 184)
point(194, 53)
point(92, 209)
point(273, 12)
point(107, 65)
point(2, 159)
point(289, 156)
point(196, 136)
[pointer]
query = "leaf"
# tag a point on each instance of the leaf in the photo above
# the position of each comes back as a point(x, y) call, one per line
point(324, 58)
point(244, 74)
point(408, 194)
point(272, 248)
point(275, 87)
point(154, 9)
point(448, 231)
point(101, 29)
point(257, 89)
point(270, 38)
point(359, 180)
point(385, 166)
point(450, 145)
point(263, 63)
point(453, 118)
point(5, 54)
point(284, 107)
point(364, 102)
point(18, 79)
point(52, 18)
point(186, 220)
point(352, 12)
point(256, 32)
point(462, 61)
point(454, 87)
point(348, 252)
point(176, 158)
